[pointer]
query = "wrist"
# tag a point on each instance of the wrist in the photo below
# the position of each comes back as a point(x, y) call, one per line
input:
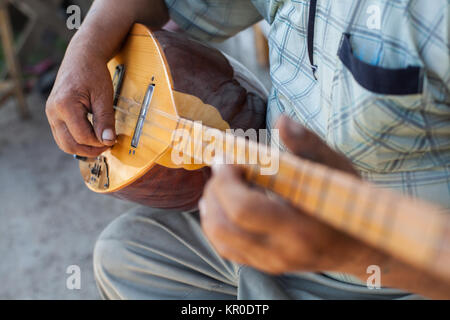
point(361, 257)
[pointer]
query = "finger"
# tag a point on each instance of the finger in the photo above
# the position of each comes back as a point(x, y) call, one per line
point(248, 208)
point(80, 128)
point(299, 140)
point(236, 244)
point(230, 241)
point(268, 261)
point(222, 248)
point(103, 116)
point(306, 144)
point(68, 144)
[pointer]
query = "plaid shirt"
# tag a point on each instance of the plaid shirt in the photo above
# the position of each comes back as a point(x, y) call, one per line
point(381, 92)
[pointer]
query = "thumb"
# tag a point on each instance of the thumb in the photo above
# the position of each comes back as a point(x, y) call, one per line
point(298, 139)
point(104, 119)
point(306, 144)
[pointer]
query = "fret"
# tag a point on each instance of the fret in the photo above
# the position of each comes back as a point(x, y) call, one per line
point(183, 123)
point(409, 228)
point(294, 184)
point(184, 144)
point(252, 175)
point(177, 127)
point(255, 175)
point(304, 192)
point(189, 145)
point(272, 182)
point(172, 140)
point(372, 218)
point(178, 124)
point(190, 125)
point(197, 143)
point(315, 176)
point(297, 188)
point(389, 221)
point(352, 205)
point(341, 196)
point(210, 148)
point(230, 148)
point(278, 182)
point(384, 219)
point(368, 221)
point(242, 154)
point(322, 198)
point(349, 207)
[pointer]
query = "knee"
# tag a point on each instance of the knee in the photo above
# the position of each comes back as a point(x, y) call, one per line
point(133, 242)
point(125, 227)
point(107, 256)
point(116, 247)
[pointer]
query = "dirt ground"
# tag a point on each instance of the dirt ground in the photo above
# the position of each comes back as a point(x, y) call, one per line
point(48, 219)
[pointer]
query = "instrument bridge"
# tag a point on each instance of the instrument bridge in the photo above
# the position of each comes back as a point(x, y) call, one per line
point(142, 116)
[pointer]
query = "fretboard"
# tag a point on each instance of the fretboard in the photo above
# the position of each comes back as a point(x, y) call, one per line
point(415, 232)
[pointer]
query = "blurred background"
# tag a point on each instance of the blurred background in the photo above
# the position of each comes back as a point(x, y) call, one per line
point(48, 219)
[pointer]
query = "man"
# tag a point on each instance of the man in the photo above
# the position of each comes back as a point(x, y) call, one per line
point(370, 78)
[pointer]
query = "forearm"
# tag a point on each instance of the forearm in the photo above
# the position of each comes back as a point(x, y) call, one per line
point(395, 274)
point(109, 21)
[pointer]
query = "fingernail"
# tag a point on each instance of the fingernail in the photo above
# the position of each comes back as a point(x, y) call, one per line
point(108, 135)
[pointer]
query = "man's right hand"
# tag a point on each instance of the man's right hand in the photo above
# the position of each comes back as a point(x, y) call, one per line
point(84, 85)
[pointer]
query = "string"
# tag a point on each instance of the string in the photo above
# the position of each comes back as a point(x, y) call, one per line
point(150, 136)
point(288, 182)
point(167, 115)
point(149, 122)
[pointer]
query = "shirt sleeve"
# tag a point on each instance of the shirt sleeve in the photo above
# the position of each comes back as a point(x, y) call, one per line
point(213, 20)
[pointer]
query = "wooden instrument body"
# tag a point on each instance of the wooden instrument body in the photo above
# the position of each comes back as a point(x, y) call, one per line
point(190, 80)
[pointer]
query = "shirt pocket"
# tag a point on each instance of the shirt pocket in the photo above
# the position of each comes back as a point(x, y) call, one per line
point(376, 113)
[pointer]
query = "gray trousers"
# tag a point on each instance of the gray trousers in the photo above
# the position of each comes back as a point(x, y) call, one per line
point(158, 254)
